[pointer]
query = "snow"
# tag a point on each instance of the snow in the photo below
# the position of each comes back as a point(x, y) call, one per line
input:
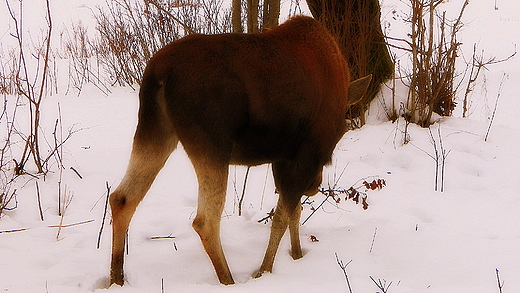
point(418, 239)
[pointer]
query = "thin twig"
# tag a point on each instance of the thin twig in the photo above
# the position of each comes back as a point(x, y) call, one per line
point(59, 156)
point(500, 284)
point(50, 226)
point(241, 200)
point(162, 237)
point(436, 158)
point(344, 269)
point(39, 200)
point(187, 28)
point(327, 195)
point(70, 225)
point(5, 200)
point(440, 158)
point(68, 200)
point(77, 173)
point(381, 284)
point(496, 104)
point(14, 230)
point(477, 64)
point(444, 154)
point(373, 240)
point(263, 189)
point(60, 144)
point(269, 216)
point(104, 216)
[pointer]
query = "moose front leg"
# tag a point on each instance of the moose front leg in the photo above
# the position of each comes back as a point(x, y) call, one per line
point(294, 230)
point(285, 215)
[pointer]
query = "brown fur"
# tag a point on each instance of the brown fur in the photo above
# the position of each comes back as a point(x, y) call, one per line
point(277, 97)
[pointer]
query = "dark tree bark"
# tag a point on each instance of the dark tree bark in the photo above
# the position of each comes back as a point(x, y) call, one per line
point(252, 16)
point(236, 16)
point(269, 15)
point(356, 26)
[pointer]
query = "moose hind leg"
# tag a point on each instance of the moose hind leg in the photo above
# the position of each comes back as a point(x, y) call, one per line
point(212, 177)
point(146, 160)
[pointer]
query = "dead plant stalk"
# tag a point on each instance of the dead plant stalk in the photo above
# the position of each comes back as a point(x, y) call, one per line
point(28, 89)
point(504, 77)
point(344, 269)
point(477, 64)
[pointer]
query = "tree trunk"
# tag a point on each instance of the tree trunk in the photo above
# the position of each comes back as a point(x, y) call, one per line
point(252, 16)
point(271, 14)
point(236, 16)
point(356, 26)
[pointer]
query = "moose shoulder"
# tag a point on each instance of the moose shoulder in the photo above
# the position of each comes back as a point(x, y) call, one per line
point(277, 97)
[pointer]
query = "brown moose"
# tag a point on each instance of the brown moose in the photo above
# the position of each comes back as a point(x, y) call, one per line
point(277, 97)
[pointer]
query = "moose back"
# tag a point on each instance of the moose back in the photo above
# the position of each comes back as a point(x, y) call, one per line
point(277, 97)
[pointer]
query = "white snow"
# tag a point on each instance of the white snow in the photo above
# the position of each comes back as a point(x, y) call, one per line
point(418, 239)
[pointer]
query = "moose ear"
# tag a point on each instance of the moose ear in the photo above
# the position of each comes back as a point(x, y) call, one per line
point(357, 89)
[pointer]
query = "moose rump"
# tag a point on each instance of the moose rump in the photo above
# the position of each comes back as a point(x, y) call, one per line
point(278, 97)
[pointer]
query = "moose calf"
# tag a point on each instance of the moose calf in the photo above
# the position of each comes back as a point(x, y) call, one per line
point(277, 97)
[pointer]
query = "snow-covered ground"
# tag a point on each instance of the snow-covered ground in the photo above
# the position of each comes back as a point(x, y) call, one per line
point(411, 237)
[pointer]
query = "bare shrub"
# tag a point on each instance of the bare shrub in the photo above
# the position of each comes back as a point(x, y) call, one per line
point(28, 74)
point(476, 65)
point(130, 32)
point(83, 62)
point(33, 79)
point(7, 165)
point(433, 48)
point(8, 64)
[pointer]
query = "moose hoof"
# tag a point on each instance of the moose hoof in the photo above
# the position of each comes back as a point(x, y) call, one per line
point(260, 272)
point(118, 280)
point(257, 274)
point(296, 255)
point(227, 281)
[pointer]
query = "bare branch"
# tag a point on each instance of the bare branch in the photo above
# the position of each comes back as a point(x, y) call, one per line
point(187, 28)
point(344, 269)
